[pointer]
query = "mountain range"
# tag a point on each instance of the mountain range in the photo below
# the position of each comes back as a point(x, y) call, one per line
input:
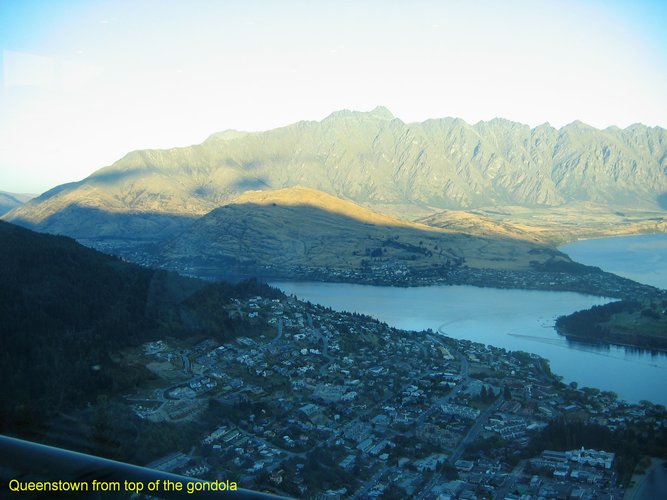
point(376, 160)
point(332, 192)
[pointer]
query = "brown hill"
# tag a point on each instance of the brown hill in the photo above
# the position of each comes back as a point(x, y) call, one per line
point(553, 225)
point(275, 233)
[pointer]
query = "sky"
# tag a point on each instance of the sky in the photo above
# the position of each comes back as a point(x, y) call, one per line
point(83, 82)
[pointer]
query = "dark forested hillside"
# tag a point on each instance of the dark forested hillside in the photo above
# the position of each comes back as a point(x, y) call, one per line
point(64, 309)
point(641, 323)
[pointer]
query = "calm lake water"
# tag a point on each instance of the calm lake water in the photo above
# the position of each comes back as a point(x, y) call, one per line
point(512, 319)
point(640, 258)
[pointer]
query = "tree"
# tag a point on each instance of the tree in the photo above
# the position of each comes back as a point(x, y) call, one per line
point(507, 394)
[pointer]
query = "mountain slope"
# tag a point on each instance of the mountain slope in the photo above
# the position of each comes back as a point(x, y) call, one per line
point(284, 232)
point(9, 201)
point(65, 309)
point(376, 160)
point(551, 225)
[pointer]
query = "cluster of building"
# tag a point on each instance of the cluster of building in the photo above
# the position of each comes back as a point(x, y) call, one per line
point(323, 404)
point(400, 272)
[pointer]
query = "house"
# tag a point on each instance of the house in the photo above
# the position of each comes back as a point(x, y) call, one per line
point(464, 465)
point(431, 462)
point(329, 393)
point(594, 458)
point(348, 462)
point(310, 409)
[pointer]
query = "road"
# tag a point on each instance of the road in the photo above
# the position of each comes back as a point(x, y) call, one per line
point(361, 492)
point(280, 333)
point(475, 430)
point(325, 343)
point(458, 388)
point(186, 362)
point(511, 480)
point(470, 437)
point(420, 420)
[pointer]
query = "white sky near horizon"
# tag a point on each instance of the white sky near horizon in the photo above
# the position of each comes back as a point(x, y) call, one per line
point(83, 82)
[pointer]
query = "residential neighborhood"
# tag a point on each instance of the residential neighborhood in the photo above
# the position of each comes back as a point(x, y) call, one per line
point(336, 405)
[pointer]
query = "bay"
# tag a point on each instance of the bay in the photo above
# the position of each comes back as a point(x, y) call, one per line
point(524, 319)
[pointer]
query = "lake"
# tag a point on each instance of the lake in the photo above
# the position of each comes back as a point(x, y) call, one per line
point(639, 258)
point(512, 319)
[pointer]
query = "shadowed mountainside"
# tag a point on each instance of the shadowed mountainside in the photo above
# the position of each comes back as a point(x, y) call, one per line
point(277, 232)
point(65, 308)
point(96, 224)
point(379, 161)
point(9, 201)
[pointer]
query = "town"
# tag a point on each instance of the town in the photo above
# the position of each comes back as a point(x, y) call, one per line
point(551, 275)
point(322, 404)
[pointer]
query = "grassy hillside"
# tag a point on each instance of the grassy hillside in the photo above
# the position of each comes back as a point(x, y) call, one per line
point(299, 227)
point(553, 225)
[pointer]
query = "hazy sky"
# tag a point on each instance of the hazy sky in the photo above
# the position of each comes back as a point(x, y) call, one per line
point(83, 81)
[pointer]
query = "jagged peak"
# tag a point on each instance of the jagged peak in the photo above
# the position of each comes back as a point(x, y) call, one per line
point(503, 121)
point(499, 122)
point(578, 125)
point(225, 135)
point(379, 113)
point(382, 113)
point(637, 126)
point(448, 121)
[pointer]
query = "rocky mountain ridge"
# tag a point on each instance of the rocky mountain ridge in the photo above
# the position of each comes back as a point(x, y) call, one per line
point(374, 159)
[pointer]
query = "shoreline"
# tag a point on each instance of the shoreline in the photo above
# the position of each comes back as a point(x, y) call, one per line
point(602, 237)
point(638, 482)
point(592, 342)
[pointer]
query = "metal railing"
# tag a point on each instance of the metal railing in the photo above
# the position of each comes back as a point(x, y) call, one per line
point(52, 473)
